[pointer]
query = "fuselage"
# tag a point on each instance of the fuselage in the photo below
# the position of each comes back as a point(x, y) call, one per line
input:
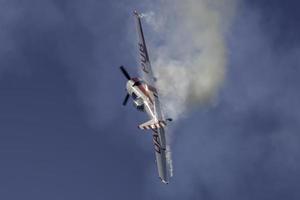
point(142, 95)
point(145, 97)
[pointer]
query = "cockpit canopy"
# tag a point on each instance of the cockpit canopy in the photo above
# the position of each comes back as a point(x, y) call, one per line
point(138, 102)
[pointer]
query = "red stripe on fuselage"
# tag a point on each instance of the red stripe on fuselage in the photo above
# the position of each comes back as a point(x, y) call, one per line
point(143, 89)
point(146, 93)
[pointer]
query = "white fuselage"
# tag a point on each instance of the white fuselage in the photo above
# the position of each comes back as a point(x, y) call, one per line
point(142, 96)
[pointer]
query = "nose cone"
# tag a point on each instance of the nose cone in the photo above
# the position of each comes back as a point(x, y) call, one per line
point(129, 85)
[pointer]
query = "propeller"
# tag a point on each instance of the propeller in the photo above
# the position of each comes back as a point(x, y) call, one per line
point(125, 100)
point(125, 72)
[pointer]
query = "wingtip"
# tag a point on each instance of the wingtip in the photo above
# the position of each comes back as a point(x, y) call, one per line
point(164, 181)
point(135, 12)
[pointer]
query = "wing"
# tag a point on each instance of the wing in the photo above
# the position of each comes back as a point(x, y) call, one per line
point(160, 144)
point(144, 56)
point(161, 154)
point(159, 138)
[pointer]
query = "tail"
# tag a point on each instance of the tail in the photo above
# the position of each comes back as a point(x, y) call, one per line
point(153, 124)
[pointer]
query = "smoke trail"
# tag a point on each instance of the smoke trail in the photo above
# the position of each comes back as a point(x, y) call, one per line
point(189, 51)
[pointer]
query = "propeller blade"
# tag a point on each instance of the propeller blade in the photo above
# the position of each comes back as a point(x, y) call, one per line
point(125, 100)
point(125, 72)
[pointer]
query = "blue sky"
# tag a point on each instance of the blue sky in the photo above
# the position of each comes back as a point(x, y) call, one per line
point(65, 135)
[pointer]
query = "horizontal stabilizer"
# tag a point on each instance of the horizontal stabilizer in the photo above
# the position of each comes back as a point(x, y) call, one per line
point(152, 125)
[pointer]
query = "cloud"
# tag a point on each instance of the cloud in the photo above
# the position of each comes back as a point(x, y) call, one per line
point(189, 51)
point(245, 146)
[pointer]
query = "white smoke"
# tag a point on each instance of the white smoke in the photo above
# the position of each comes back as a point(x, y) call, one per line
point(169, 160)
point(189, 52)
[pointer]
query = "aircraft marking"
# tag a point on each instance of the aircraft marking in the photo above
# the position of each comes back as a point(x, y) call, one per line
point(143, 55)
point(156, 142)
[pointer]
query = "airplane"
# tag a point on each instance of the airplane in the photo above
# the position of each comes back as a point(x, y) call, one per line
point(146, 99)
